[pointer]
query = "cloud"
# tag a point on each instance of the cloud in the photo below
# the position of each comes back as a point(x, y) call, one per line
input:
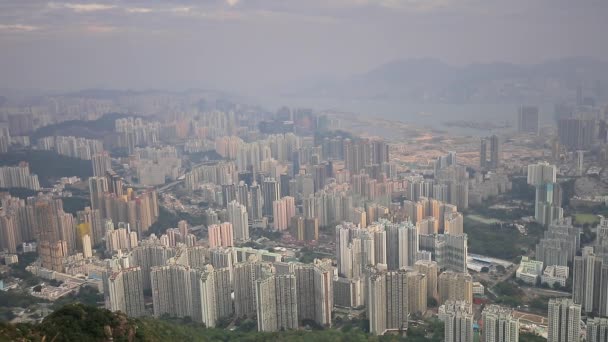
point(232, 3)
point(100, 29)
point(139, 10)
point(18, 28)
point(181, 9)
point(83, 8)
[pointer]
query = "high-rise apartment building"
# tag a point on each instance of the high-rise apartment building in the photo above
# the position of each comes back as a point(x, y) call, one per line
point(277, 303)
point(315, 291)
point(547, 205)
point(564, 321)
point(590, 282)
point(431, 270)
point(499, 325)
point(271, 191)
point(221, 235)
point(458, 320)
point(597, 329)
point(101, 163)
point(123, 290)
point(455, 286)
point(282, 212)
point(387, 301)
point(237, 215)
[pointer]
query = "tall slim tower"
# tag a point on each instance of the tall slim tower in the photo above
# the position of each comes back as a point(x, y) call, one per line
point(564, 320)
point(457, 317)
point(499, 325)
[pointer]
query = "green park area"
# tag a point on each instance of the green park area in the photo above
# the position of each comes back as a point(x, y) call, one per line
point(590, 219)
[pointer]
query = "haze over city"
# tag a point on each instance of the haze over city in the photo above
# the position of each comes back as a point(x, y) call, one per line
point(261, 46)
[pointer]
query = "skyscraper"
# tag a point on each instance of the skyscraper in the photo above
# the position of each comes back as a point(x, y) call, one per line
point(387, 301)
point(277, 303)
point(547, 205)
point(124, 291)
point(315, 291)
point(564, 321)
point(495, 153)
point(101, 163)
point(597, 329)
point(431, 270)
point(271, 192)
point(590, 282)
point(221, 235)
point(527, 119)
point(237, 215)
point(499, 325)
point(455, 286)
point(457, 317)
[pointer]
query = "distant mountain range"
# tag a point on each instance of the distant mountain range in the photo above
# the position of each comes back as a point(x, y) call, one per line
point(430, 80)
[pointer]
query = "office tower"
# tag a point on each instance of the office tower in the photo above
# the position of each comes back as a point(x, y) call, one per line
point(458, 320)
point(124, 291)
point(455, 253)
point(276, 301)
point(282, 212)
point(315, 291)
point(221, 235)
point(499, 325)
point(589, 289)
point(564, 320)
point(455, 286)
point(431, 270)
point(527, 119)
point(387, 301)
point(101, 163)
point(237, 215)
point(271, 192)
point(597, 329)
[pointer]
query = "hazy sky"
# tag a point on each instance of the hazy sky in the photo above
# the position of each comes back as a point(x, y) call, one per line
point(248, 45)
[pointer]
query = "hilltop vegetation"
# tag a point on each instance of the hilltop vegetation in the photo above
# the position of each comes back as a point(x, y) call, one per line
point(78, 322)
